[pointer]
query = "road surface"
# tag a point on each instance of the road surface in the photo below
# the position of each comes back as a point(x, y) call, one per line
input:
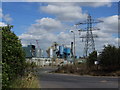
point(53, 80)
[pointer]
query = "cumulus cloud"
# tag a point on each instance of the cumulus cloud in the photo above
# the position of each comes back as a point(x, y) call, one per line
point(44, 29)
point(7, 18)
point(59, 1)
point(85, 3)
point(64, 13)
point(96, 4)
point(1, 17)
point(70, 11)
point(110, 24)
point(46, 25)
point(2, 24)
point(49, 24)
point(108, 28)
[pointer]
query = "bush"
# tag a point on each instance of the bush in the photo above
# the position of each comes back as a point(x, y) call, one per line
point(109, 58)
point(13, 57)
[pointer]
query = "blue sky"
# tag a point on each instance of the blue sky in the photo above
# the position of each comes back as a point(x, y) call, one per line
point(50, 22)
point(25, 13)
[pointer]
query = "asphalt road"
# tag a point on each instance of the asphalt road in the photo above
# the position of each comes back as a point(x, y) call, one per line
point(53, 80)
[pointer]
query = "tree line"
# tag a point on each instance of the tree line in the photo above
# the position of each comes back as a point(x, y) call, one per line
point(109, 58)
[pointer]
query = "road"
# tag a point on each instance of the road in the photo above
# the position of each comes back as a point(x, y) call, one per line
point(53, 80)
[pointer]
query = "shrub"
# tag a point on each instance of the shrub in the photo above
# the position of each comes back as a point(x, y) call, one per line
point(13, 57)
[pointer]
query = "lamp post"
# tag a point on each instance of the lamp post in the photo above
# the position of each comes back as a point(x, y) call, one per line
point(74, 45)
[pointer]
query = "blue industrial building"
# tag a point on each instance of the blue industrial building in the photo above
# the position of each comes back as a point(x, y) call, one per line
point(64, 52)
point(30, 51)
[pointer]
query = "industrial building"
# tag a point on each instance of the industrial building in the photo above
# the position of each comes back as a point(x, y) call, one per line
point(39, 53)
point(57, 54)
point(29, 51)
point(60, 53)
point(35, 55)
point(40, 61)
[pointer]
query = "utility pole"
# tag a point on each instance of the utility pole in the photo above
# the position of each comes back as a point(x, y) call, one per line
point(74, 45)
point(72, 49)
point(89, 37)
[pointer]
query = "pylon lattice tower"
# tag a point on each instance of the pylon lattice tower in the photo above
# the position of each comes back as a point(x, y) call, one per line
point(89, 37)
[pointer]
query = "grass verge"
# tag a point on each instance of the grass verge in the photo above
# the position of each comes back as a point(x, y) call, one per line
point(83, 70)
point(28, 81)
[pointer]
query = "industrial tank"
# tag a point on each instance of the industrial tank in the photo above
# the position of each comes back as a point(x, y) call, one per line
point(51, 53)
point(67, 51)
point(61, 49)
point(38, 53)
point(57, 47)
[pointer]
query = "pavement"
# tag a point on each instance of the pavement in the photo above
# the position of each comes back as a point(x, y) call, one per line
point(53, 80)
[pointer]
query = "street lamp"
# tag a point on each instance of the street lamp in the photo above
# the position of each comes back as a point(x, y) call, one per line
point(74, 44)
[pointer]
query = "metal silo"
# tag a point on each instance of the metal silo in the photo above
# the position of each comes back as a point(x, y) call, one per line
point(61, 51)
point(51, 53)
point(38, 53)
point(61, 48)
point(67, 51)
point(57, 47)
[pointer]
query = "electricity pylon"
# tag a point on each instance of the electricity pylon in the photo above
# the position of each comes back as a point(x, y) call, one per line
point(89, 37)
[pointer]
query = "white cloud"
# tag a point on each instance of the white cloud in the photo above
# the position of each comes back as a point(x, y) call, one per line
point(44, 30)
point(60, 0)
point(70, 11)
point(7, 18)
point(89, 3)
point(65, 12)
point(110, 24)
point(2, 24)
point(108, 28)
point(49, 24)
point(1, 15)
point(96, 4)
point(46, 25)
point(0, 12)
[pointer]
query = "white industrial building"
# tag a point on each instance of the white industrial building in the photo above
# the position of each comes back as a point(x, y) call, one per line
point(40, 61)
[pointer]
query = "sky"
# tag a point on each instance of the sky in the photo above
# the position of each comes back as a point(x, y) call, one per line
point(50, 22)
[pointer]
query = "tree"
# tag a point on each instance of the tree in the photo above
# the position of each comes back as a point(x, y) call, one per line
point(92, 58)
point(109, 57)
point(13, 57)
point(118, 54)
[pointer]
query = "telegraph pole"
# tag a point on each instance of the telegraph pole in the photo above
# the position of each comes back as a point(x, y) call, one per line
point(74, 45)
